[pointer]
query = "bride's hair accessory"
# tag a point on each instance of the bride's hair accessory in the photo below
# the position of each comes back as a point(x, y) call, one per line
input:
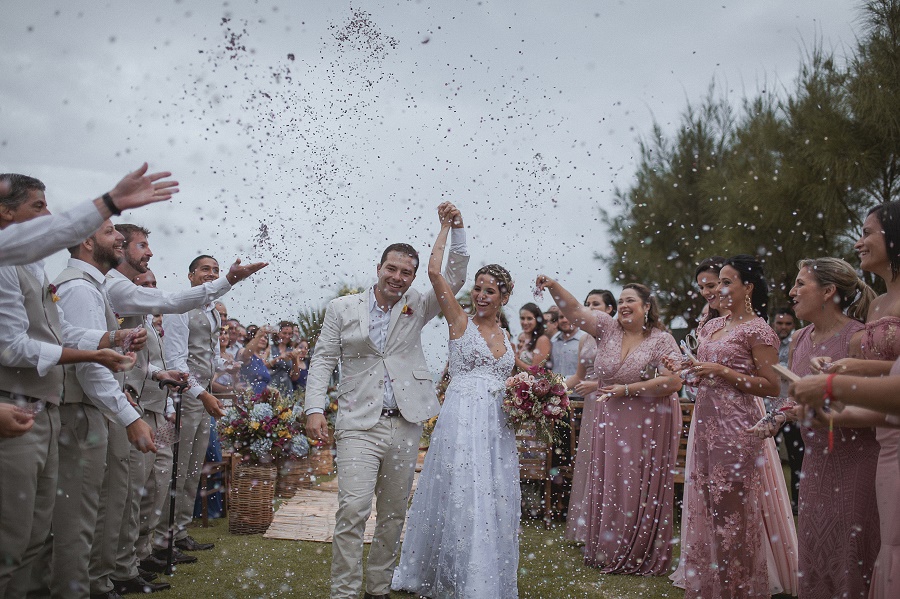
point(500, 274)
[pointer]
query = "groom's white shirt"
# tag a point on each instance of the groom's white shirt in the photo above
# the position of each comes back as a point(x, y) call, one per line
point(394, 370)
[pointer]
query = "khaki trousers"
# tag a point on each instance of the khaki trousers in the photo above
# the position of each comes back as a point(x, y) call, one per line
point(379, 462)
point(156, 491)
point(140, 467)
point(83, 436)
point(28, 476)
point(192, 445)
point(112, 515)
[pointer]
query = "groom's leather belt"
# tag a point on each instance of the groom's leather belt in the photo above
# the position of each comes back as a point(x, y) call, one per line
point(390, 412)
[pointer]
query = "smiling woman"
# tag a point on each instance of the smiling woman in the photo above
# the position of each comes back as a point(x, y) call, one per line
point(625, 515)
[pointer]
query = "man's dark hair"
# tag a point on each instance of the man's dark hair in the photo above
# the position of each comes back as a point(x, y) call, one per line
point(129, 231)
point(402, 248)
point(785, 310)
point(19, 187)
point(194, 262)
point(553, 316)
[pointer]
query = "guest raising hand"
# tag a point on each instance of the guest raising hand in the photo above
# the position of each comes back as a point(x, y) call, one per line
point(630, 493)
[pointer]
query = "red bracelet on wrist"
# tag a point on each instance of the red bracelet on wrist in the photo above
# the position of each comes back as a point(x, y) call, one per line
point(829, 391)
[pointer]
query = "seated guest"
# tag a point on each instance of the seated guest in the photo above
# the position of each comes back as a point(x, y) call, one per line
point(254, 372)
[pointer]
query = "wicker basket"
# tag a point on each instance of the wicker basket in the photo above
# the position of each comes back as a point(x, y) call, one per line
point(293, 475)
point(250, 509)
point(322, 461)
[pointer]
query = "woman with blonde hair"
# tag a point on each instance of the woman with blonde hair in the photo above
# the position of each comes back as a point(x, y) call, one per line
point(838, 537)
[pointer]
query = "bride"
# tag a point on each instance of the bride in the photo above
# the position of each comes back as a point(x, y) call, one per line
point(462, 529)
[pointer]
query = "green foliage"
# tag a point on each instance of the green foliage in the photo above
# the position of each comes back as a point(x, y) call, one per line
point(787, 176)
point(309, 321)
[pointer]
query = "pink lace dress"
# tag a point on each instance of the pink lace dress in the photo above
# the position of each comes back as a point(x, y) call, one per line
point(838, 518)
point(630, 489)
point(732, 540)
point(881, 341)
point(576, 518)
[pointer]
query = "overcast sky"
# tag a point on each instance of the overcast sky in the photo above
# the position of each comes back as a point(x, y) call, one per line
point(314, 133)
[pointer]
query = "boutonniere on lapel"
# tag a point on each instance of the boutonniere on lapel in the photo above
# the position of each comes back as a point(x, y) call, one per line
point(51, 289)
point(406, 311)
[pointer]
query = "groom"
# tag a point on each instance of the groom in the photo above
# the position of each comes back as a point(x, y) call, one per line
point(385, 393)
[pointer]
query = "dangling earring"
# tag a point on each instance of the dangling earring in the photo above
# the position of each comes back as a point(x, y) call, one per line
point(646, 318)
point(748, 305)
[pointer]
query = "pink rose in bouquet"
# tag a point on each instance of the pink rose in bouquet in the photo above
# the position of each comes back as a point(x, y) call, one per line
point(542, 387)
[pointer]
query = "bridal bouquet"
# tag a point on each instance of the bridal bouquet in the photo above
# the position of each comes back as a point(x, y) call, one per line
point(537, 397)
point(265, 426)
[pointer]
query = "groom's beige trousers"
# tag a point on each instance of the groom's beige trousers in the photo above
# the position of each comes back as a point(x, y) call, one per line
point(378, 462)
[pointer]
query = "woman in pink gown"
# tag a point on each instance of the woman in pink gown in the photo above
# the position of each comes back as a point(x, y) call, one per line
point(707, 277)
point(838, 517)
point(635, 434)
point(725, 542)
point(584, 384)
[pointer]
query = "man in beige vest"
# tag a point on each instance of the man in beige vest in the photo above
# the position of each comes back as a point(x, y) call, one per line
point(118, 560)
point(95, 415)
point(32, 335)
point(386, 392)
point(191, 345)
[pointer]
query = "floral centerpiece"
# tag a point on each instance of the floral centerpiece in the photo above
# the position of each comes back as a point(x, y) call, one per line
point(265, 427)
point(537, 397)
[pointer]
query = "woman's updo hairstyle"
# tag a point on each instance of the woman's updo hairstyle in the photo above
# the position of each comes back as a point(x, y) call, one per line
point(501, 275)
point(751, 272)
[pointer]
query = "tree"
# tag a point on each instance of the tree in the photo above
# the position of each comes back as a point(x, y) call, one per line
point(789, 177)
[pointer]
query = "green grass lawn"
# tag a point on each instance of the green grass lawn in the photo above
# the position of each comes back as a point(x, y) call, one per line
point(251, 566)
point(244, 566)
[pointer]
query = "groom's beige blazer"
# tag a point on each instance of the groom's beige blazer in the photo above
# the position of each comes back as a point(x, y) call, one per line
point(345, 339)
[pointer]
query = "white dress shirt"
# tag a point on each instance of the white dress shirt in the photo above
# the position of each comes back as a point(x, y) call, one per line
point(128, 299)
point(175, 344)
point(379, 322)
point(24, 243)
point(85, 306)
point(17, 349)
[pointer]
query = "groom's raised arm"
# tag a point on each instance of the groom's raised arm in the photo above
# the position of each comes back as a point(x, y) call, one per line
point(325, 358)
point(457, 264)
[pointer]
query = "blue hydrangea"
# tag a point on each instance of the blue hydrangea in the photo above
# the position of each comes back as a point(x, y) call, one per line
point(300, 446)
point(231, 414)
point(261, 447)
point(261, 411)
point(297, 411)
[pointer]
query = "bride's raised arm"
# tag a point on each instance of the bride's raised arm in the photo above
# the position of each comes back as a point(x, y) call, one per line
point(453, 312)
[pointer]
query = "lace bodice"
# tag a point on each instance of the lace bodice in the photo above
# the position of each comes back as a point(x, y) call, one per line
point(610, 369)
point(471, 356)
point(881, 339)
point(735, 349)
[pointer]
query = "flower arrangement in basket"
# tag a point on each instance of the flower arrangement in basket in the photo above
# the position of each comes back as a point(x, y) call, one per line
point(265, 427)
point(537, 397)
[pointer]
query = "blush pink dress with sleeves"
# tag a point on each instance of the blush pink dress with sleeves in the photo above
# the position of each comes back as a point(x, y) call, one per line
point(630, 489)
point(739, 537)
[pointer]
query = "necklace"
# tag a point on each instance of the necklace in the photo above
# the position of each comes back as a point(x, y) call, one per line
point(817, 337)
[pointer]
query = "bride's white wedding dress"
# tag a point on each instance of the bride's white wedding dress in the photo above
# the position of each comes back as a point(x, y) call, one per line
point(462, 529)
